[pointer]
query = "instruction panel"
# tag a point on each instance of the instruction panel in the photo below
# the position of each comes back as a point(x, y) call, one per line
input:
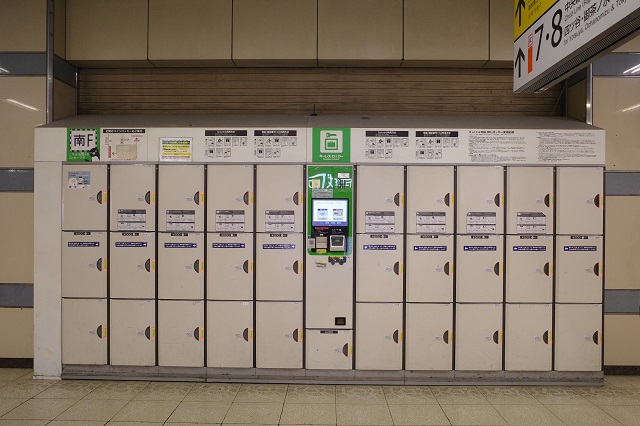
point(125, 144)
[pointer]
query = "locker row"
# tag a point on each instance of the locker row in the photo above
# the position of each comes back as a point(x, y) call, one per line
point(529, 200)
point(428, 342)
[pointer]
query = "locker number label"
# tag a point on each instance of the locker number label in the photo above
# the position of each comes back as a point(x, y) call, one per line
point(83, 145)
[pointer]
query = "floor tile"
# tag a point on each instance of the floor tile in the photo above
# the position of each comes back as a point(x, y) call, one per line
point(458, 395)
point(25, 389)
point(164, 391)
point(200, 412)
point(146, 411)
point(93, 409)
point(23, 422)
point(354, 394)
point(4, 382)
point(501, 395)
point(363, 414)
point(582, 415)
point(308, 414)
point(39, 409)
point(135, 423)
point(14, 373)
point(214, 392)
point(311, 394)
point(75, 423)
point(267, 413)
point(72, 389)
point(627, 415)
point(621, 382)
point(527, 415)
point(261, 393)
point(473, 414)
point(117, 390)
point(8, 404)
point(412, 414)
point(609, 396)
point(555, 395)
point(409, 395)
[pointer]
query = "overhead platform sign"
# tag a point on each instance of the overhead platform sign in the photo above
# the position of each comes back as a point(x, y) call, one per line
point(552, 39)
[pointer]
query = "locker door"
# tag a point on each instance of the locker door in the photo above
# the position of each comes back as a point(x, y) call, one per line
point(84, 264)
point(430, 199)
point(379, 268)
point(279, 335)
point(530, 200)
point(430, 268)
point(133, 332)
point(133, 197)
point(279, 267)
point(181, 333)
point(429, 336)
point(480, 200)
point(84, 197)
point(478, 337)
point(181, 266)
point(181, 198)
point(529, 272)
point(528, 337)
point(329, 349)
point(580, 200)
point(230, 334)
point(380, 199)
point(329, 293)
point(579, 269)
point(133, 265)
point(230, 266)
point(479, 268)
point(379, 336)
point(230, 198)
point(279, 201)
point(84, 331)
point(578, 339)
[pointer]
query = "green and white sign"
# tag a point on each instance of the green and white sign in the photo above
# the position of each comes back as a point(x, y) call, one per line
point(83, 145)
point(331, 145)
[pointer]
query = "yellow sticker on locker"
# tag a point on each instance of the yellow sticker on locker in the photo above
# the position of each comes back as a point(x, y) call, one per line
point(251, 334)
point(251, 266)
point(350, 349)
point(251, 198)
point(104, 331)
point(104, 264)
point(300, 265)
point(300, 335)
point(452, 200)
point(400, 336)
point(202, 197)
point(202, 333)
point(153, 265)
point(501, 200)
point(153, 198)
point(104, 197)
point(202, 266)
point(550, 337)
point(402, 199)
point(153, 333)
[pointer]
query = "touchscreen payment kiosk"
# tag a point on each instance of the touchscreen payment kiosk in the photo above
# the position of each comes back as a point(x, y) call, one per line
point(329, 224)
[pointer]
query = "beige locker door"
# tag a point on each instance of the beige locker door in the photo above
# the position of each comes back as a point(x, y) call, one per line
point(133, 198)
point(279, 267)
point(578, 338)
point(380, 268)
point(84, 264)
point(579, 269)
point(133, 332)
point(480, 199)
point(528, 338)
point(181, 265)
point(329, 349)
point(84, 197)
point(133, 265)
point(479, 268)
point(380, 199)
point(181, 333)
point(181, 198)
point(478, 336)
point(230, 334)
point(529, 269)
point(379, 336)
point(329, 293)
point(530, 200)
point(430, 268)
point(580, 200)
point(278, 335)
point(230, 266)
point(230, 198)
point(429, 336)
point(84, 331)
point(279, 198)
point(430, 199)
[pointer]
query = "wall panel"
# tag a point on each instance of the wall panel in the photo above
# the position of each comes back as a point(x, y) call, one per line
point(16, 322)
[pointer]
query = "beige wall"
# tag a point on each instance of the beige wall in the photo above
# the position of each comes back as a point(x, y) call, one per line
point(622, 233)
point(16, 333)
point(622, 339)
point(23, 25)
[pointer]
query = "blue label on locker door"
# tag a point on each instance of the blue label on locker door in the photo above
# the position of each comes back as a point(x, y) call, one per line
point(278, 246)
point(529, 248)
point(480, 248)
point(580, 248)
point(429, 248)
point(227, 245)
point(180, 245)
point(132, 244)
point(379, 247)
point(83, 244)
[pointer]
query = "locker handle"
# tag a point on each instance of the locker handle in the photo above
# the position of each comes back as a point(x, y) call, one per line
point(496, 268)
point(147, 265)
point(196, 198)
point(496, 337)
point(396, 268)
point(196, 266)
point(99, 331)
point(595, 337)
point(99, 197)
point(99, 264)
point(196, 333)
point(345, 350)
point(546, 269)
point(396, 199)
point(447, 200)
point(496, 200)
point(245, 266)
point(596, 200)
point(245, 334)
point(445, 337)
point(295, 266)
point(147, 333)
point(596, 269)
point(295, 335)
point(545, 337)
point(245, 198)
point(447, 268)
point(147, 197)
point(547, 200)
point(395, 336)
point(296, 198)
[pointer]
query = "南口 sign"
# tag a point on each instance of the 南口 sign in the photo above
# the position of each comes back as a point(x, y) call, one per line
point(553, 38)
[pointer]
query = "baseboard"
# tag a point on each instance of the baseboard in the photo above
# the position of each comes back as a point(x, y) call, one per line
point(16, 362)
point(622, 370)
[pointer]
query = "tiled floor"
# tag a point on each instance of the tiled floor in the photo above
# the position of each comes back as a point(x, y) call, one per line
point(24, 401)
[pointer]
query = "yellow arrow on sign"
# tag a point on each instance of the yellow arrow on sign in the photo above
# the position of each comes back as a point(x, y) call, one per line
point(526, 12)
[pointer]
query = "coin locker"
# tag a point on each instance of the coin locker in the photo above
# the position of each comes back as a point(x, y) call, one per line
point(181, 333)
point(430, 268)
point(279, 267)
point(279, 335)
point(133, 190)
point(530, 196)
point(329, 349)
point(84, 197)
point(528, 337)
point(579, 269)
point(379, 276)
point(580, 200)
point(133, 332)
point(480, 199)
point(133, 264)
point(329, 293)
point(230, 266)
point(429, 336)
point(84, 331)
point(479, 268)
point(84, 264)
point(478, 336)
point(181, 265)
point(279, 193)
point(230, 198)
point(529, 272)
point(578, 338)
point(380, 195)
point(230, 334)
point(181, 198)
point(379, 336)
point(430, 199)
